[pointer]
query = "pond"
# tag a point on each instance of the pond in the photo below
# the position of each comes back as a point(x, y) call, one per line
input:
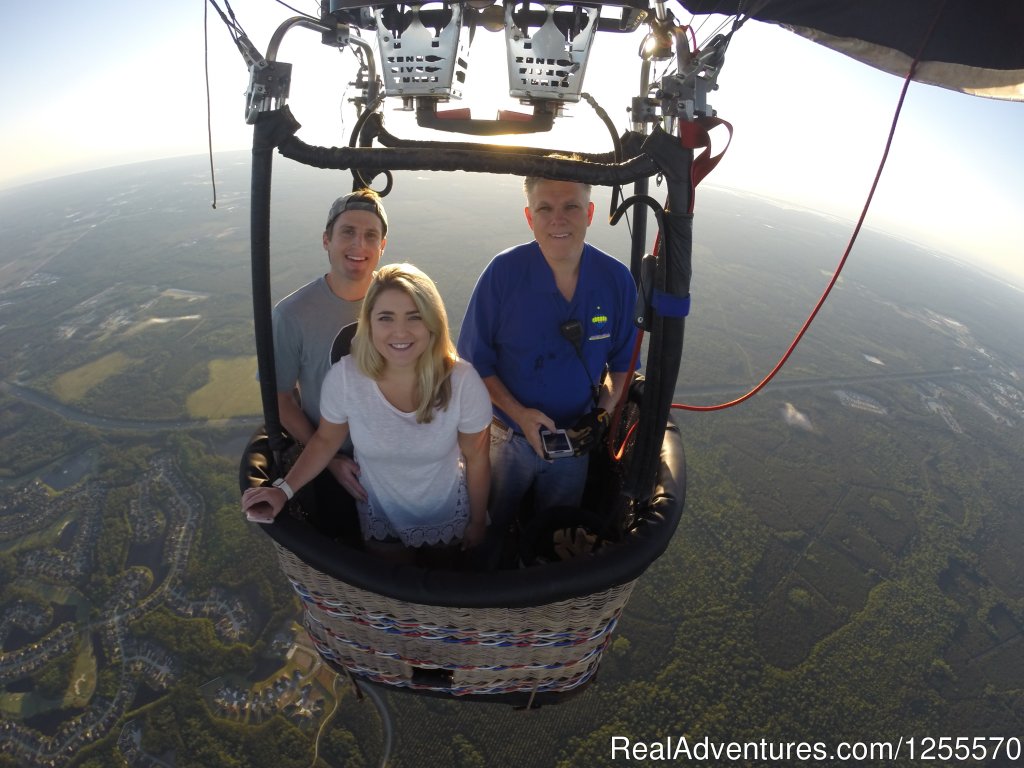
point(65, 474)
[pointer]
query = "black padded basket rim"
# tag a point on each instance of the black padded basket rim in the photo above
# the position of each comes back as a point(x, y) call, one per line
point(612, 565)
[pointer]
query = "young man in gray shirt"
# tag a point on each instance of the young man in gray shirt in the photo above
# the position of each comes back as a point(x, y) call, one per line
point(307, 321)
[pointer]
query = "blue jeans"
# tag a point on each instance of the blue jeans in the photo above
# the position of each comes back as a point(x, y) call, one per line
point(515, 468)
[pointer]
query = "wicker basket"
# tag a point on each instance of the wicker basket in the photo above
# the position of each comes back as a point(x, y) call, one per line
point(526, 636)
point(551, 648)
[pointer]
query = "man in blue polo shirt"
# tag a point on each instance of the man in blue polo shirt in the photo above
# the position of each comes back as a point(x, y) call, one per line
point(544, 321)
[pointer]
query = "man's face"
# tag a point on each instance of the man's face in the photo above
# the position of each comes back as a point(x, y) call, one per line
point(559, 213)
point(354, 245)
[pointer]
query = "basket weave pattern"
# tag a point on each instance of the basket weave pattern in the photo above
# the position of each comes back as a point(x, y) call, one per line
point(553, 647)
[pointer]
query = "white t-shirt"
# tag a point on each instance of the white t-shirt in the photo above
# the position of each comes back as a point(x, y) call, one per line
point(412, 472)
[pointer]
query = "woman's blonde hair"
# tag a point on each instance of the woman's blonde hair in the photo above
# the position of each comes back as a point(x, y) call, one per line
point(434, 366)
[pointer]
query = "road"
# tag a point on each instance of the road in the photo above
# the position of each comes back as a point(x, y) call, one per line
point(778, 384)
point(46, 402)
point(385, 717)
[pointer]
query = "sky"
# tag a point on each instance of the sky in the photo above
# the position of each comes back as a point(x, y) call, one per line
point(116, 82)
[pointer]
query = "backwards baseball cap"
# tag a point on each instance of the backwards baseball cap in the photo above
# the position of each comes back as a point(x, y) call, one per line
point(358, 201)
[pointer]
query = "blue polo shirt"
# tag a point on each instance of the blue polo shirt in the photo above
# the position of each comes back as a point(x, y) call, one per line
point(512, 329)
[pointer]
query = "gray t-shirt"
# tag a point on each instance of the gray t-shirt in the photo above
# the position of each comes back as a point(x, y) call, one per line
point(305, 325)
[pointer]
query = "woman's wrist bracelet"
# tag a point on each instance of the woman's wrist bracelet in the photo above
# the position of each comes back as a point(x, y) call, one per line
point(280, 483)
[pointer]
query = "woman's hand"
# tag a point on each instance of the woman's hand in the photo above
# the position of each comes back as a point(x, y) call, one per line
point(475, 447)
point(263, 504)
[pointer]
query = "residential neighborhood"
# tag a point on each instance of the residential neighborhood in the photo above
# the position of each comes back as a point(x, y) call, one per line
point(102, 630)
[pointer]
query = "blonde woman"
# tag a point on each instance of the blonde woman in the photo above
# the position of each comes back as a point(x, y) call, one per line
point(419, 418)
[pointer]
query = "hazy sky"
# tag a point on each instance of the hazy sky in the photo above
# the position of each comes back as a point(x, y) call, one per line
point(99, 84)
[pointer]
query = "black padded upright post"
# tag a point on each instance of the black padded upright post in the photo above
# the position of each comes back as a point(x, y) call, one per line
point(259, 237)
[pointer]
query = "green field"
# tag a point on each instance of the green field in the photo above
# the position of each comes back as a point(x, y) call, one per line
point(72, 386)
point(231, 391)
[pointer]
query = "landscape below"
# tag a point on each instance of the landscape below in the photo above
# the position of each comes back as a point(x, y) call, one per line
point(847, 567)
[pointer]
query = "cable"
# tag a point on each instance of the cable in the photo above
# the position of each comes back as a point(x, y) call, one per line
point(616, 140)
point(209, 119)
point(241, 41)
point(693, 38)
point(363, 117)
point(616, 417)
point(296, 10)
point(849, 247)
point(572, 331)
point(232, 24)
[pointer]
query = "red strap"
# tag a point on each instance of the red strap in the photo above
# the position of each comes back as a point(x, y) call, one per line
point(697, 134)
point(461, 113)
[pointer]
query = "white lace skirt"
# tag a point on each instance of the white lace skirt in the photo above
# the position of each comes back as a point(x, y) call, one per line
point(375, 524)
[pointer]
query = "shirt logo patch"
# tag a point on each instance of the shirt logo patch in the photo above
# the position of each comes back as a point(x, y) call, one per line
point(598, 322)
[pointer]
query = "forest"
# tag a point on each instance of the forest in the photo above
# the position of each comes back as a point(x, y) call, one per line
point(847, 566)
point(786, 608)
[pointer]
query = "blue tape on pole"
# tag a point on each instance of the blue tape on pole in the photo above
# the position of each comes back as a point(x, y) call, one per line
point(668, 305)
